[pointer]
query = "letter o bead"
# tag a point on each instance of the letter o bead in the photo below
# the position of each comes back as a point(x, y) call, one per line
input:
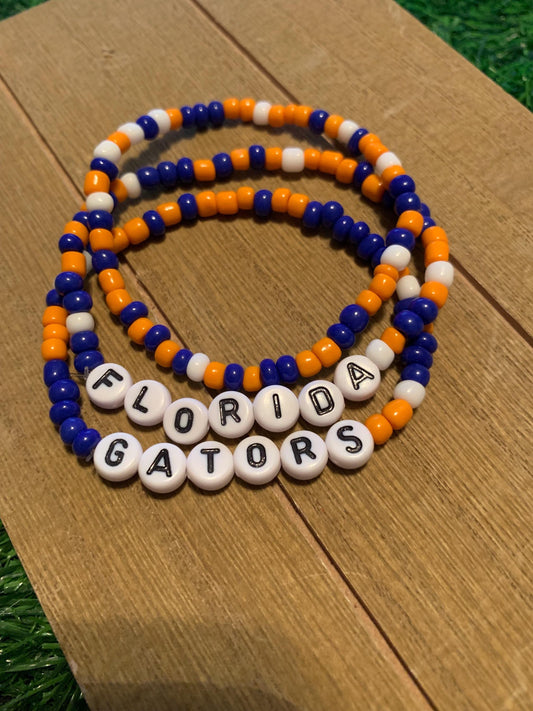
point(303, 455)
point(117, 456)
point(350, 444)
point(186, 421)
point(256, 460)
point(163, 468)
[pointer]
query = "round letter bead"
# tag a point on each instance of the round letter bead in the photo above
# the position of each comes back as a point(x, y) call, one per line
point(303, 455)
point(163, 468)
point(380, 353)
point(117, 456)
point(256, 460)
point(107, 385)
point(186, 421)
point(210, 465)
point(410, 390)
point(231, 414)
point(196, 367)
point(321, 403)
point(357, 377)
point(80, 321)
point(146, 402)
point(441, 272)
point(407, 287)
point(350, 444)
point(276, 408)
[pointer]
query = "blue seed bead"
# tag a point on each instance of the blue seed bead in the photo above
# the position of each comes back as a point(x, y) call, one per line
point(358, 231)
point(268, 371)
point(223, 165)
point(428, 222)
point(201, 115)
point(342, 335)
point(402, 237)
point(406, 201)
point(149, 127)
point(84, 443)
point(216, 113)
point(188, 206)
point(425, 308)
point(168, 174)
point(408, 323)
point(65, 282)
point(403, 304)
point(149, 178)
point(63, 409)
point(54, 298)
point(100, 219)
point(104, 259)
point(54, 370)
point(70, 243)
point(185, 170)
point(312, 215)
point(376, 257)
point(368, 245)
point(353, 143)
point(187, 115)
point(88, 360)
point(341, 229)
point(425, 340)
point(83, 341)
point(233, 376)
point(401, 184)
point(63, 390)
point(156, 335)
point(70, 428)
point(415, 354)
point(317, 120)
point(181, 360)
point(263, 203)
point(287, 369)
point(77, 301)
point(105, 166)
point(363, 170)
point(355, 317)
point(331, 212)
point(155, 223)
point(424, 209)
point(83, 217)
point(417, 372)
point(133, 311)
point(257, 157)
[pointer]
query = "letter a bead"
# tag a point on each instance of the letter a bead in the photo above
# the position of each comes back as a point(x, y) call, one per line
point(162, 468)
point(350, 444)
point(116, 457)
point(357, 377)
point(256, 460)
point(210, 465)
point(107, 385)
point(303, 455)
point(321, 403)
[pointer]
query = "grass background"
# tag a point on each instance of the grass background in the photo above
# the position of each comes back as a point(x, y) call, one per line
point(497, 37)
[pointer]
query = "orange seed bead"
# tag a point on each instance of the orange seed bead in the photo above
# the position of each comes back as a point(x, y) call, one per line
point(96, 182)
point(119, 190)
point(231, 108)
point(329, 162)
point(311, 158)
point(74, 262)
point(56, 330)
point(54, 314)
point(138, 330)
point(176, 118)
point(404, 272)
point(240, 159)
point(387, 269)
point(165, 352)
point(434, 234)
point(372, 187)
point(204, 170)
point(380, 428)
point(366, 140)
point(100, 238)
point(370, 301)
point(346, 170)
point(121, 140)
point(245, 198)
point(297, 204)
point(289, 113)
point(214, 375)
point(398, 412)
point(110, 279)
point(170, 213)
point(206, 202)
point(373, 151)
point(331, 127)
point(308, 364)
point(390, 173)
point(394, 339)
point(54, 348)
point(77, 228)
point(273, 158)
point(246, 110)
point(116, 300)
point(301, 116)
point(327, 351)
point(120, 239)
point(276, 116)
point(411, 220)
point(137, 230)
point(280, 199)
point(436, 252)
point(383, 285)
point(252, 379)
point(434, 290)
point(227, 202)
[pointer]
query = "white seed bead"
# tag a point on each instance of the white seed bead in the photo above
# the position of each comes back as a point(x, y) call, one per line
point(276, 408)
point(231, 414)
point(99, 201)
point(385, 160)
point(132, 185)
point(357, 377)
point(261, 111)
point(162, 120)
point(107, 385)
point(321, 403)
point(116, 457)
point(350, 444)
point(256, 460)
point(210, 465)
point(380, 353)
point(108, 150)
point(441, 272)
point(346, 131)
point(163, 468)
point(304, 455)
point(407, 286)
point(146, 402)
point(186, 421)
point(133, 131)
point(80, 321)
point(196, 367)
point(88, 261)
point(396, 255)
point(292, 160)
point(410, 390)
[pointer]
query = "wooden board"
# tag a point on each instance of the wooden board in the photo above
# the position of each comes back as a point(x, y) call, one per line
point(405, 585)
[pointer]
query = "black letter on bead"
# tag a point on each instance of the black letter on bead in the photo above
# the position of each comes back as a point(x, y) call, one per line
point(228, 408)
point(105, 379)
point(277, 406)
point(184, 412)
point(165, 467)
point(298, 450)
point(322, 400)
point(112, 458)
point(137, 404)
point(210, 458)
point(256, 447)
point(357, 446)
point(358, 374)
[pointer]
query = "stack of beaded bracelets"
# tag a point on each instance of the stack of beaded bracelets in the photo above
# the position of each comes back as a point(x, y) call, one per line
point(91, 241)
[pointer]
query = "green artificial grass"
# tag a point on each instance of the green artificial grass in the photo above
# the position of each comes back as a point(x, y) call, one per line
point(497, 37)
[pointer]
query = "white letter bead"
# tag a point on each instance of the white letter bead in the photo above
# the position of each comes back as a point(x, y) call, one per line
point(385, 160)
point(441, 272)
point(132, 185)
point(231, 414)
point(80, 321)
point(186, 421)
point(276, 408)
point(210, 465)
point(346, 131)
point(292, 160)
point(146, 402)
point(109, 150)
point(117, 456)
point(396, 255)
point(350, 444)
point(256, 460)
point(162, 119)
point(261, 111)
point(358, 377)
point(163, 468)
point(407, 286)
point(196, 367)
point(380, 353)
point(99, 201)
point(410, 390)
point(107, 385)
point(303, 455)
point(321, 403)
point(133, 131)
